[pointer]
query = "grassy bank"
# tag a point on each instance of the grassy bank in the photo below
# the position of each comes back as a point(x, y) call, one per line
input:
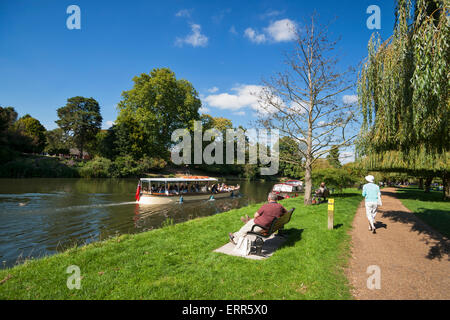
point(178, 262)
point(429, 207)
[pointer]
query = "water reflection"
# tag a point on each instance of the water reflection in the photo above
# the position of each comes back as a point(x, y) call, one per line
point(42, 216)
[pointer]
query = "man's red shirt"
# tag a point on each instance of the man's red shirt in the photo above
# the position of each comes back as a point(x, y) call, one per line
point(268, 212)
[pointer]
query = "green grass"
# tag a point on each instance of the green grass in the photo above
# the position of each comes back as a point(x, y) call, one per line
point(429, 207)
point(178, 262)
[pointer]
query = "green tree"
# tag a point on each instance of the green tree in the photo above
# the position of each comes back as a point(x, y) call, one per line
point(290, 158)
point(57, 142)
point(333, 158)
point(7, 118)
point(30, 135)
point(105, 143)
point(157, 104)
point(80, 118)
point(403, 90)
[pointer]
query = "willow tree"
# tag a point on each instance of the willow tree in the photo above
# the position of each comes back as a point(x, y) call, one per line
point(403, 90)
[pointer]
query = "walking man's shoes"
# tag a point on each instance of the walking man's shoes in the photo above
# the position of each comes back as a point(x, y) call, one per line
point(373, 231)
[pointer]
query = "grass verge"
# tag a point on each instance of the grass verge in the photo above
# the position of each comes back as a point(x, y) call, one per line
point(429, 207)
point(178, 262)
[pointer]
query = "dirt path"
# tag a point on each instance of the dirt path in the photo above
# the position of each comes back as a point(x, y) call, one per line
point(413, 259)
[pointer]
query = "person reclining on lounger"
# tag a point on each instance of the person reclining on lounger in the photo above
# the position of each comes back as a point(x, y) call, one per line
point(263, 217)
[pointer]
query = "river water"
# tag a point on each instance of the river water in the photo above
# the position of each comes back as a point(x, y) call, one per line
point(39, 217)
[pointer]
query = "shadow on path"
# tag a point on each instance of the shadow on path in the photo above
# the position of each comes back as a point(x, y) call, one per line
point(439, 248)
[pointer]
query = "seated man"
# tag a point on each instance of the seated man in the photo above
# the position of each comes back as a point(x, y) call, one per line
point(263, 217)
point(322, 193)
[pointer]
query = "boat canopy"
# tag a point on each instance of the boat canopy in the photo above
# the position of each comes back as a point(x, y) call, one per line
point(283, 187)
point(183, 179)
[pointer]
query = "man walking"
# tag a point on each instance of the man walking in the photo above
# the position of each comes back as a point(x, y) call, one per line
point(263, 217)
point(372, 195)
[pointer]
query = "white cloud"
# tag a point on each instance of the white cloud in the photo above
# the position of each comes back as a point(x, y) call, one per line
point(242, 96)
point(239, 113)
point(282, 30)
point(195, 39)
point(184, 13)
point(271, 13)
point(213, 89)
point(254, 36)
point(278, 31)
point(349, 99)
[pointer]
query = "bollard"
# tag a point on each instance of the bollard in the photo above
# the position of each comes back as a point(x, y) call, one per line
point(330, 214)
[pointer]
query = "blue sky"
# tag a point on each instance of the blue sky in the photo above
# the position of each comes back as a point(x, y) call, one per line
point(224, 48)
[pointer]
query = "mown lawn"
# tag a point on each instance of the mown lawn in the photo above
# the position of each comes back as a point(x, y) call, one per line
point(429, 207)
point(178, 262)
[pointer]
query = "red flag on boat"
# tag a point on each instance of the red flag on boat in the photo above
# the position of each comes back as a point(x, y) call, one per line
point(138, 192)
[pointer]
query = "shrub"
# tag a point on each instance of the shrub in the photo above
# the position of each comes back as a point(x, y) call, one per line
point(97, 168)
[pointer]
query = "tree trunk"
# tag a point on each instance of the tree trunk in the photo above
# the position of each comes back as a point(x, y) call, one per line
point(428, 181)
point(420, 183)
point(308, 182)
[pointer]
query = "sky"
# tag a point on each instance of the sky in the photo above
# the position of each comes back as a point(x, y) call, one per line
point(224, 48)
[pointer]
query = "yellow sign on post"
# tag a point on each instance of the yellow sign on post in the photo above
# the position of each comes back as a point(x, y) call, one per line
point(330, 214)
point(330, 204)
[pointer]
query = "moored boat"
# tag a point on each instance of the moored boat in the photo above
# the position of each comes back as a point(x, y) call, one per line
point(188, 188)
point(287, 190)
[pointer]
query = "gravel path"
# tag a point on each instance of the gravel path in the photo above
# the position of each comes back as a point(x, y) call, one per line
point(413, 259)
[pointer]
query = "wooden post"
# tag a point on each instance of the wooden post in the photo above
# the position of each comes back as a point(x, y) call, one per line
point(330, 214)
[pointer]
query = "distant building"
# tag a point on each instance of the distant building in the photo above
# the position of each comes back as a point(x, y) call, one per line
point(75, 153)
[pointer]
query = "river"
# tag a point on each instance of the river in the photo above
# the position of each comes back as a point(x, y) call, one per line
point(40, 217)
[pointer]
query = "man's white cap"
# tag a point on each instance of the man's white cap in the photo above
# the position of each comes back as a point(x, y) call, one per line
point(370, 178)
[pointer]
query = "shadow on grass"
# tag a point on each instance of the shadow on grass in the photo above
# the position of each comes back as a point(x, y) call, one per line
point(342, 195)
point(337, 226)
point(417, 194)
point(439, 246)
point(293, 235)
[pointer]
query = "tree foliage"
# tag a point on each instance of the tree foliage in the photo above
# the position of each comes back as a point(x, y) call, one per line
point(30, 135)
point(57, 142)
point(80, 118)
point(157, 104)
point(333, 157)
point(403, 90)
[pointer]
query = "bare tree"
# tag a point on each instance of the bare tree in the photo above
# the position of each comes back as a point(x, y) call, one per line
point(305, 102)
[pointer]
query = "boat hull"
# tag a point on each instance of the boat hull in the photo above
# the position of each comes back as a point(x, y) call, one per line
point(152, 199)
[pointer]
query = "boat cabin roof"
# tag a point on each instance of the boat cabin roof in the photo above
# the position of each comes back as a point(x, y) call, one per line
point(205, 179)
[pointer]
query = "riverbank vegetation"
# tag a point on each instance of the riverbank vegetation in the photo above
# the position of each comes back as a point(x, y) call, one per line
point(178, 262)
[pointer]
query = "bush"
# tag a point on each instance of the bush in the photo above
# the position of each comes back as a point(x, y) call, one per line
point(97, 168)
point(125, 166)
point(335, 178)
point(33, 167)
